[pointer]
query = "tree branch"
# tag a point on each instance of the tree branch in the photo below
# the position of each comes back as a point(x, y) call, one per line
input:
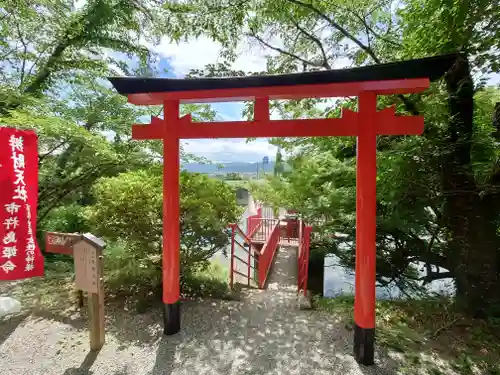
point(41, 78)
point(316, 40)
point(375, 34)
point(10, 51)
point(25, 51)
point(43, 212)
point(410, 106)
point(436, 276)
point(40, 55)
point(41, 157)
point(48, 190)
point(423, 253)
point(280, 50)
point(342, 30)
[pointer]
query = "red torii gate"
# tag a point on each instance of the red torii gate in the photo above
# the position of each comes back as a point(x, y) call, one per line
point(366, 83)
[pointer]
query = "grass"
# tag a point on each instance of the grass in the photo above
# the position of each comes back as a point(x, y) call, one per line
point(126, 286)
point(53, 292)
point(429, 336)
point(211, 282)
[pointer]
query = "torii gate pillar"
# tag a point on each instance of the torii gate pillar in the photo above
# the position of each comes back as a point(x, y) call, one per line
point(366, 214)
point(171, 223)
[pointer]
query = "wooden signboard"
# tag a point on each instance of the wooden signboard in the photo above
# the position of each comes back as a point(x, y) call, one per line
point(86, 267)
point(87, 255)
point(61, 243)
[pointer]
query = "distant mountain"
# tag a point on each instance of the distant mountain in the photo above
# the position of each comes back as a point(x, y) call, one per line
point(236, 167)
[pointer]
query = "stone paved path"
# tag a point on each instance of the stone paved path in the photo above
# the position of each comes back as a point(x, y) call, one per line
point(264, 333)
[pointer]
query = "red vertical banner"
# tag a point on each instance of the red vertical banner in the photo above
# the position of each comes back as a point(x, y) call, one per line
point(20, 256)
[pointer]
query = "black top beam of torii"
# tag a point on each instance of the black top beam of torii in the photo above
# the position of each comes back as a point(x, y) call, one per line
point(432, 68)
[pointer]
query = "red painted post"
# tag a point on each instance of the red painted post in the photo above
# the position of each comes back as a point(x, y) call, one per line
point(301, 248)
point(249, 260)
point(231, 273)
point(299, 265)
point(249, 228)
point(171, 227)
point(366, 174)
point(307, 253)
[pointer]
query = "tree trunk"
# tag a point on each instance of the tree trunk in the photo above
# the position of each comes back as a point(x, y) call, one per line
point(473, 239)
point(316, 272)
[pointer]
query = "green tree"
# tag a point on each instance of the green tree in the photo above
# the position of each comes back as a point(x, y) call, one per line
point(55, 59)
point(233, 176)
point(43, 43)
point(278, 164)
point(129, 207)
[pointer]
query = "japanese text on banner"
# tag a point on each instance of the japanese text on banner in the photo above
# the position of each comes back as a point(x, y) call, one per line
point(20, 256)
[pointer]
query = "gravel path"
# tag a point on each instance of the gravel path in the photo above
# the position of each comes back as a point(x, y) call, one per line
point(264, 333)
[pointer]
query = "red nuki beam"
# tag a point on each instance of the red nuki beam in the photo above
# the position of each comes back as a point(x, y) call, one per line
point(154, 130)
point(385, 122)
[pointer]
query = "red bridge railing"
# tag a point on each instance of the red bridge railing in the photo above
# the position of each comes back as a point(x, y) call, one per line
point(253, 222)
point(244, 257)
point(268, 250)
point(253, 264)
point(303, 258)
point(262, 228)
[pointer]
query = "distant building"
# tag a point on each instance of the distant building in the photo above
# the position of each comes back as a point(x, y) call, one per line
point(242, 196)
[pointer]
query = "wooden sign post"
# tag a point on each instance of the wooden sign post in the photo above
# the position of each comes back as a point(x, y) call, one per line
point(61, 243)
point(87, 254)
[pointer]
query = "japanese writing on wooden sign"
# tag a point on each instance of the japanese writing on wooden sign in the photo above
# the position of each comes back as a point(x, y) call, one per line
point(87, 275)
point(61, 243)
point(20, 256)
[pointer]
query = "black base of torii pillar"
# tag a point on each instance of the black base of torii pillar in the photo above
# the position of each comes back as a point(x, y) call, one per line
point(171, 318)
point(364, 345)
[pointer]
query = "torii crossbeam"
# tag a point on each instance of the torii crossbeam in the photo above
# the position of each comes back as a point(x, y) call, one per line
point(366, 83)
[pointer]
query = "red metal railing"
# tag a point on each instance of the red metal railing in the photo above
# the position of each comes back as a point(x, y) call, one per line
point(253, 221)
point(303, 258)
point(244, 257)
point(262, 228)
point(252, 264)
point(246, 260)
point(268, 251)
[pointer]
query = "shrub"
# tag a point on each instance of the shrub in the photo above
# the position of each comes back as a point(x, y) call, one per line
point(128, 209)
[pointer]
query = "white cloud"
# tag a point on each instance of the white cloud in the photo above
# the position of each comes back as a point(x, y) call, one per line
point(196, 53)
point(494, 79)
point(78, 4)
point(184, 56)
